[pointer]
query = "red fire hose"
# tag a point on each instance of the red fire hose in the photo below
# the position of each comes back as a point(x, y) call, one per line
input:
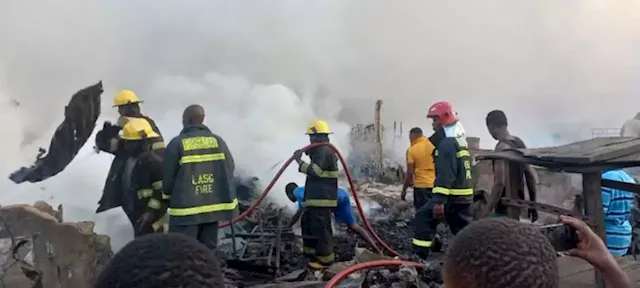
point(360, 266)
point(351, 184)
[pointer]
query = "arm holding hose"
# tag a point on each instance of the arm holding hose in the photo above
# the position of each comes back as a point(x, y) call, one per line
point(318, 159)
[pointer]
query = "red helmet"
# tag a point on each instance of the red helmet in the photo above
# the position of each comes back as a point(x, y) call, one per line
point(444, 112)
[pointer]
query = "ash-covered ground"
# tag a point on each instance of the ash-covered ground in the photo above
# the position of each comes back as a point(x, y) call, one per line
point(391, 220)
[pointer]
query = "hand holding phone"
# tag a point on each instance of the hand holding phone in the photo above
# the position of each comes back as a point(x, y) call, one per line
point(562, 236)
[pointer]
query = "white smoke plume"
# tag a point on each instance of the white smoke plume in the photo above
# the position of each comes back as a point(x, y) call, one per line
point(262, 69)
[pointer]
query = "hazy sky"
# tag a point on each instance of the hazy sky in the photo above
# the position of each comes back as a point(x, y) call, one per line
point(258, 68)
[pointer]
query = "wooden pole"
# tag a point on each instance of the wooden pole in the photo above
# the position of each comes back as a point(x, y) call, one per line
point(591, 191)
point(511, 191)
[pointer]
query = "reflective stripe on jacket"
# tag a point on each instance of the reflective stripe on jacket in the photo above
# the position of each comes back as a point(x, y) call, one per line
point(197, 178)
point(322, 178)
point(453, 170)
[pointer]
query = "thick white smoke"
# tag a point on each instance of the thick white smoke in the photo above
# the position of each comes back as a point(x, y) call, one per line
point(262, 69)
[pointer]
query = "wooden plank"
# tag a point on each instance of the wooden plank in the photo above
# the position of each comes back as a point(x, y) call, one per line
point(590, 151)
point(635, 188)
point(516, 156)
point(577, 273)
point(593, 209)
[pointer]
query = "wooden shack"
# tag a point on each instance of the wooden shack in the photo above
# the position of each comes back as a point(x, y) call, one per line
point(589, 158)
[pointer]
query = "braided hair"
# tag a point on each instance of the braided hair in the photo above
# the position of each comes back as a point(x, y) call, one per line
point(501, 252)
point(159, 260)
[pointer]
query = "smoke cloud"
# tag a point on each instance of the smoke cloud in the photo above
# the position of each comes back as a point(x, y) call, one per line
point(262, 69)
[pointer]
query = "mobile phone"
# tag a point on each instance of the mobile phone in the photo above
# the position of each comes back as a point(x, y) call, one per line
point(562, 236)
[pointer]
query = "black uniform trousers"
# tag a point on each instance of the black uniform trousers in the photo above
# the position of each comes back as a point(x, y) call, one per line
point(421, 196)
point(316, 222)
point(457, 217)
point(206, 233)
point(134, 213)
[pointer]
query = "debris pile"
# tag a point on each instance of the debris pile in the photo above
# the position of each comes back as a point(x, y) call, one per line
point(37, 247)
point(430, 276)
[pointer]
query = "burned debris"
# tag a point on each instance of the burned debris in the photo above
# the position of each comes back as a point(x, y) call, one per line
point(80, 118)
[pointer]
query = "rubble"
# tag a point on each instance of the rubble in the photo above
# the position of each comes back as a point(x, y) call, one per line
point(38, 248)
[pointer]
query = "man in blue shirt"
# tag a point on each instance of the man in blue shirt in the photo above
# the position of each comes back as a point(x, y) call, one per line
point(342, 213)
point(617, 210)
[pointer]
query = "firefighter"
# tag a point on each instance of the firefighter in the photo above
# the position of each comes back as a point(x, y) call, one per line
point(342, 214)
point(114, 193)
point(142, 177)
point(453, 187)
point(320, 197)
point(198, 169)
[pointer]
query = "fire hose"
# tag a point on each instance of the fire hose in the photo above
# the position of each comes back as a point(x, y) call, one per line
point(367, 225)
point(365, 265)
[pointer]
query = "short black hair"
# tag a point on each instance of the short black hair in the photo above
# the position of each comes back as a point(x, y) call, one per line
point(415, 131)
point(291, 186)
point(501, 252)
point(162, 260)
point(497, 118)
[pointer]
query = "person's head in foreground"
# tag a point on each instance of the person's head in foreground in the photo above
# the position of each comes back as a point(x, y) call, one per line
point(500, 252)
point(290, 189)
point(162, 260)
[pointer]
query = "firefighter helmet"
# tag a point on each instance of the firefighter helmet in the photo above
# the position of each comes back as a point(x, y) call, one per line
point(138, 129)
point(444, 112)
point(318, 127)
point(125, 97)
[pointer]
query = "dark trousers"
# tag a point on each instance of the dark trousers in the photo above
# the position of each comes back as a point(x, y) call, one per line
point(206, 233)
point(421, 196)
point(457, 217)
point(134, 217)
point(316, 222)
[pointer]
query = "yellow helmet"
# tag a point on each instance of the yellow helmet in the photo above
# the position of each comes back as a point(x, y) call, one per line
point(125, 97)
point(137, 129)
point(318, 127)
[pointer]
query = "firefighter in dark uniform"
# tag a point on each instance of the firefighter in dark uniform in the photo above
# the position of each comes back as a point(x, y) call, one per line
point(198, 169)
point(132, 156)
point(453, 187)
point(321, 196)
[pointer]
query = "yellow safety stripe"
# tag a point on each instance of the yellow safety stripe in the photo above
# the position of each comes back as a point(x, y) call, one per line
point(144, 193)
point(422, 243)
point(454, 192)
point(158, 145)
point(321, 203)
point(459, 154)
point(304, 168)
point(154, 204)
point(307, 250)
point(156, 185)
point(161, 223)
point(165, 196)
point(201, 158)
point(203, 209)
point(328, 259)
point(463, 153)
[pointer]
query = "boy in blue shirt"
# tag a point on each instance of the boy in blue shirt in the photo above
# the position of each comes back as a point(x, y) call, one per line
point(617, 206)
point(342, 213)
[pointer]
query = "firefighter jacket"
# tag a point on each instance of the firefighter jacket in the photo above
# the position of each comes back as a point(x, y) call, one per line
point(107, 140)
point(198, 169)
point(321, 185)
point(142, 181)
point(454, 180)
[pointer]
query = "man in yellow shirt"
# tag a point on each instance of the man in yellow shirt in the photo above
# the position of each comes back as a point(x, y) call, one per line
point(421, 171)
